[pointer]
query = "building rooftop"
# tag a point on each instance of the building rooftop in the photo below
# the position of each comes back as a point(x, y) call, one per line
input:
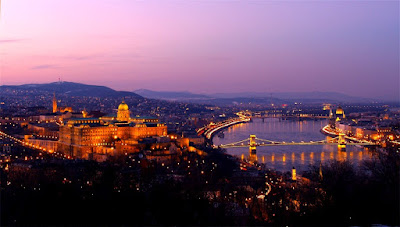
point(151, 124)
point(110, 115)
point(84, 119)
point(44, 124)
point(49, 114)
point(145, 117)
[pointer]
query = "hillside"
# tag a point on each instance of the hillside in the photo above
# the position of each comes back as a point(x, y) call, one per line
point(73, 89)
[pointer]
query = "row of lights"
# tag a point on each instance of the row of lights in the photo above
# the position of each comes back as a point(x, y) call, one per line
point(34, 146)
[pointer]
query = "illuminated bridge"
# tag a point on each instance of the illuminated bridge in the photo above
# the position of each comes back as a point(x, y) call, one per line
point(253, 142)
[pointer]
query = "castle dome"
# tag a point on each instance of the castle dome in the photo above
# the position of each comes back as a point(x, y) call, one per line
point(123, 106)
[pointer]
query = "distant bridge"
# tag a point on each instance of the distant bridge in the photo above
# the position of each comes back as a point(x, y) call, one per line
point(283, 116)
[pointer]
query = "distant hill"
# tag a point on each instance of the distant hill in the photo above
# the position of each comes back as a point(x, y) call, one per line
point(253, 97)
point(73, 89)
point(171, 95)
point(84, 90)
point(315, 96)
point(239, 101)
point(185, 96)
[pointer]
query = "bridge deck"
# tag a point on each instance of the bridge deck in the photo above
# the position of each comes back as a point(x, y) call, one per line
point(293, 144)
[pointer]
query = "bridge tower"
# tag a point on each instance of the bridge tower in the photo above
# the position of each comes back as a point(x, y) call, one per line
point(253, 149)
point(253, 145)
point(341, 142)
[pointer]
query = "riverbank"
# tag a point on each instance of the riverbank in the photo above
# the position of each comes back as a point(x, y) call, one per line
point(325, 130)
point(213, 129)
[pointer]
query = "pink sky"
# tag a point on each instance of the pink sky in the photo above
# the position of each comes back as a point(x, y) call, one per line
point(204, 46)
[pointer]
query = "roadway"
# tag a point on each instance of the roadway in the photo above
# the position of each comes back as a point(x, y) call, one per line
point(213, 128)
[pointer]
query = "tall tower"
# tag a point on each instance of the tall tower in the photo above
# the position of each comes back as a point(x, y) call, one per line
point(54, 103)
point(123, 113)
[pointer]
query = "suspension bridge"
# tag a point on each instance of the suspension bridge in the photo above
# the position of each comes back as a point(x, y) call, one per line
point(253, 142)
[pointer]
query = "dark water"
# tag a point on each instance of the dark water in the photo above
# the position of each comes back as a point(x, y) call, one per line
point(284, 158)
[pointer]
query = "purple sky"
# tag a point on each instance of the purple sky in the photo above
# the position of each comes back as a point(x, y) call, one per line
point(204, 46)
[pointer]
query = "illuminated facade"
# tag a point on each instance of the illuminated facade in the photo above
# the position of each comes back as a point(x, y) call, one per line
point(80, 137)
point(327, 106)
point(61, 109)
point(340, 114)
point(339, 111)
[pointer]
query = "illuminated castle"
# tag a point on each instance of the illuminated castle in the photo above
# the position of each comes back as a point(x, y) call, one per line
point(81, 137)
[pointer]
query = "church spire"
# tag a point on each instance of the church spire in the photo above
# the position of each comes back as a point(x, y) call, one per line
point(54, 103)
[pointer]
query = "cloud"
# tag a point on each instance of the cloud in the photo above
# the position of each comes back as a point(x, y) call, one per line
point(102, 56)
point(81, 57)
point(10, 40)
point(45, 67)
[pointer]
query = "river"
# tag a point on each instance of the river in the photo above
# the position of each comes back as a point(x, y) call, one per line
point(284, 158)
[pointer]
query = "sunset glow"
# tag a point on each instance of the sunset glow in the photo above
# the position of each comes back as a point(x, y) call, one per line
point(267, 46)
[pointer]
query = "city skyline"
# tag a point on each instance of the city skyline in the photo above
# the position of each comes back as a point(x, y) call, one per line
point(199, 46)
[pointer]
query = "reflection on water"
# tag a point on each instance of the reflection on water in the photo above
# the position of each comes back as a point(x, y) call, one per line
point(283, 158)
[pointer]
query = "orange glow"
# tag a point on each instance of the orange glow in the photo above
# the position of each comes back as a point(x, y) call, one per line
point(294, 177)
